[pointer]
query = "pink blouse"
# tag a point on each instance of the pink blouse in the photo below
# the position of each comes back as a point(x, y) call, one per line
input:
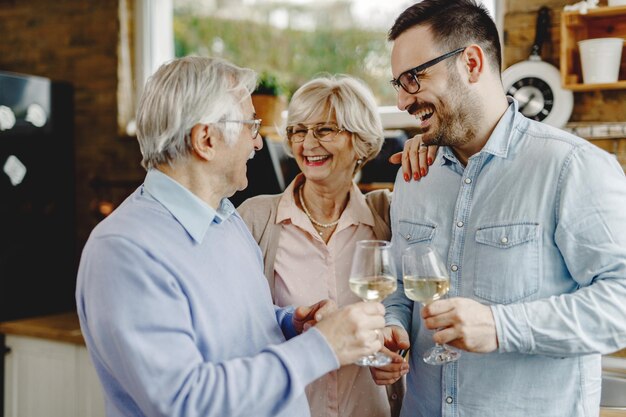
point(308, 270)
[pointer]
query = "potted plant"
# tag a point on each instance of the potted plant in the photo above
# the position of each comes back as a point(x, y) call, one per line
point(269, 102)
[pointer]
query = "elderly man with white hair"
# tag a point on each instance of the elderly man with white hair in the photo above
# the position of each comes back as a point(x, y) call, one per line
point(172, 300)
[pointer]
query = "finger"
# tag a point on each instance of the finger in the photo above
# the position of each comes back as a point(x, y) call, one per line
point(395, 357)
point(423, 157)
point(432, 154)
point(389, 374)
point(437, 307)
point(400, 338)
point(365, 341)
point(414, 158)
point(371, 308)
point(396, 158)
point(324, 308)
point(302, 312)
point(447, 335)
point(406, 165)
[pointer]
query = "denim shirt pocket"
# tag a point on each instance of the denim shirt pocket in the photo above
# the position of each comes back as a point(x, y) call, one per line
point(508, 262)
point(416, 232)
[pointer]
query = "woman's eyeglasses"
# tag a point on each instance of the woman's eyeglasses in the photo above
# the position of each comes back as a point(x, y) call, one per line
point(324, 132)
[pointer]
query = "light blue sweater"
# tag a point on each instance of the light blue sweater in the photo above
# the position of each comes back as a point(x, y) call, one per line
point(178, 318)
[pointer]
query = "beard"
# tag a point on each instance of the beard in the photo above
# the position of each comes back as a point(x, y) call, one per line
point(458, 115)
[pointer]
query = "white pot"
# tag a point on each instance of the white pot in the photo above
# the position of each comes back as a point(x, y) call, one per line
point(600, 59)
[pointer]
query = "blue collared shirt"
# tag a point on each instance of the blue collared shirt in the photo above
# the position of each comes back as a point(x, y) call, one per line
point(535, 227)
point(178, 318)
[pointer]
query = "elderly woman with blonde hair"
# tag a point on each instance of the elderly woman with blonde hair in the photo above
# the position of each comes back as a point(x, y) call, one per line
point(309, 232)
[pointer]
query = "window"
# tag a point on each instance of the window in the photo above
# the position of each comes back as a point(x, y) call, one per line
point(293, 40)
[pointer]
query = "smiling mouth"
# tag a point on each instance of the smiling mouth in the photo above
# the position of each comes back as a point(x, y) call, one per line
point(424, 113)
point(317, 158)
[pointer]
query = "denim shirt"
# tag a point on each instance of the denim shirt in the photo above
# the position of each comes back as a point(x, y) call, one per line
point(535, 227)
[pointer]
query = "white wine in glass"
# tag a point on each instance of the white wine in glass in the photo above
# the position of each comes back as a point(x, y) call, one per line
point(425, 280)
point(372, 278)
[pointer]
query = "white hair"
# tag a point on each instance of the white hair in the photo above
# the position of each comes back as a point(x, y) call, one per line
point(351, 103)
point(182, 93)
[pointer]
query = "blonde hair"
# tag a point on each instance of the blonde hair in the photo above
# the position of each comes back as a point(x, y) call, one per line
point(182, 93)
point(351, 103)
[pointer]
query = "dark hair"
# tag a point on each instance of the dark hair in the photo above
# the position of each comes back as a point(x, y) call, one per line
point(454, 24)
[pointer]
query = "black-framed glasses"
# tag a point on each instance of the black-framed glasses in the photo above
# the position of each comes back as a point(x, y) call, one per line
point(409, 79)
point(255, 125)
point(324, 132)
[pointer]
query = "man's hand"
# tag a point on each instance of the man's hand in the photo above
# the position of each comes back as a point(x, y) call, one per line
point(395, 338)
point(463, 323)
point(306, 317)
point(415, 158)
point(354, 330)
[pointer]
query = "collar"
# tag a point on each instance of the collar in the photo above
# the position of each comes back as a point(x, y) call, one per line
point(500, 139)
point(357, 210)
point(190, 211)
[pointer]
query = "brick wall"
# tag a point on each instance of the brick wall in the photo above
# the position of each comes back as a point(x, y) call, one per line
point(76, 41)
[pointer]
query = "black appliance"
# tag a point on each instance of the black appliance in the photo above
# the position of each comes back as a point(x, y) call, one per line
point(37, 221)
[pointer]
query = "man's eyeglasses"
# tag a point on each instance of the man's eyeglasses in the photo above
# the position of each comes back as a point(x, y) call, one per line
point(324, 132)
point(409, 80)
point(256, 125)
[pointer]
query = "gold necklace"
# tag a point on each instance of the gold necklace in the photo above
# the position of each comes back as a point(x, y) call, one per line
point(315, 222)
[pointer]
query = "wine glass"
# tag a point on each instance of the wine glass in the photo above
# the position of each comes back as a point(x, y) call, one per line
point(426, 280)
point(372, 278)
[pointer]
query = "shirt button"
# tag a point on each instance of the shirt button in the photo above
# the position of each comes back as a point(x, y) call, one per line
point(454, 268)
point(459, 224)
point(468, 180)
point(449, 400)
point(408, 237)
point(504, 240)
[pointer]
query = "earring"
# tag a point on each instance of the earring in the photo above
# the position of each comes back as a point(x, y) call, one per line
point(359, 161)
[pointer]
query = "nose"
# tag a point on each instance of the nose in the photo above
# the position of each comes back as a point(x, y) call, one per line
point(404, 99)
point(310, 141)
point(257, 142)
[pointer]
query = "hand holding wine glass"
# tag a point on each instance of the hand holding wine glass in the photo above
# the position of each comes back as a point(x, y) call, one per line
point(373, 277)
point(425, 280)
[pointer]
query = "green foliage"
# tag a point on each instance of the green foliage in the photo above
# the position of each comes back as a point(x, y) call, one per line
point(269, 84)
point(290, 56)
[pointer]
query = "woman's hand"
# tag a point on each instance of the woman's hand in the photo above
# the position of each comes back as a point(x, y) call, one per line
point(307, 317)
point(415, 158)
point(395, 339)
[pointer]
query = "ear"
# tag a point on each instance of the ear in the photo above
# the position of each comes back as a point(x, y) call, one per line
point(474, 62)
point(202, 142)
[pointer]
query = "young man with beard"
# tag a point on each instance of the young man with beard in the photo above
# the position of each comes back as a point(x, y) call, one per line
point(531, 225)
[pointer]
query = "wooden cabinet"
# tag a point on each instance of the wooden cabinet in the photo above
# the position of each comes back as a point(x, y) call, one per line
point(602, 22)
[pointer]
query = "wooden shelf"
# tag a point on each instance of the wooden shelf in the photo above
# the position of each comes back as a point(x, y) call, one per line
point(620, 85)
point(602, 22)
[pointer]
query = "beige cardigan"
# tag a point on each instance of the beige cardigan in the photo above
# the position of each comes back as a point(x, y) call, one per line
point(259, 213)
